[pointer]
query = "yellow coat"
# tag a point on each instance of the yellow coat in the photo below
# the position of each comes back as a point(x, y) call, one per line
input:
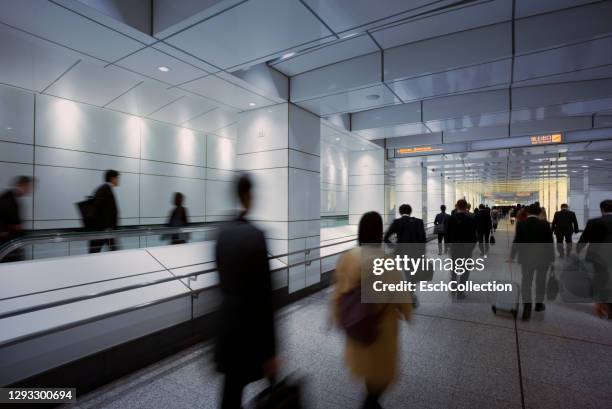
point(376, 363)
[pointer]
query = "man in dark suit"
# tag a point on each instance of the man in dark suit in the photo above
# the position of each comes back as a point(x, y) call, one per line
point(440, 225)
point(564, 224)
point(246, 341)
point(461, 236)
point(107, 211)
point(533, 242)
point(598, 234)
point(407, 229)
point(484, 225)
point(11, 222)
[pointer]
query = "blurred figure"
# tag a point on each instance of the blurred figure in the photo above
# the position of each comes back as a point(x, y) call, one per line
point(534, 255)
point(495, 216)
point(11, 222)
point(107, 211)
point(440, 226)
point(484, 226)
point(245, 345)
point(543, 216)
point(522, 214)
point(178, 218)
point(376, 363)
point(598, 234)
point(469, 208)
point(461, 235)
point(513, 213)
point(407, 229)
point(564, 224)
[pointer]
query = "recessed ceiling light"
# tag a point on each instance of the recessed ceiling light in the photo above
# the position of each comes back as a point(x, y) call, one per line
point(252, 104)
point(584, 166)
point(349, 36)
point(337, 139)
point(288, 55)
point(574, 171)
point(8, 128)
point(598, 159)
point(163, 68)
point(372, 97)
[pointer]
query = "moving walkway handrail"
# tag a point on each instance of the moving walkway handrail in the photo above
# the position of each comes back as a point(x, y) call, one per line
point(87, 235)
point(86, 297)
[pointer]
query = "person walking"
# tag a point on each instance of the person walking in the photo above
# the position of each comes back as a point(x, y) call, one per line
point(178, 218)
point(245, 342)
point(376, 362)
point(107, 211)
point(440, 226)
point(564, 224)
point(461, 235)
point(484, 226)
point(11, 215)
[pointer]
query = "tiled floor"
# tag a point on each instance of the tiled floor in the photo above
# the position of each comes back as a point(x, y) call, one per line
point(454, 355)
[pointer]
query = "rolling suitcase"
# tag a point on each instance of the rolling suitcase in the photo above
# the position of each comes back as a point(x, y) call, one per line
point(507, 302)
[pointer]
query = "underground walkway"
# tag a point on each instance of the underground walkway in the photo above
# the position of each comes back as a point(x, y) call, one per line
point(454, 355)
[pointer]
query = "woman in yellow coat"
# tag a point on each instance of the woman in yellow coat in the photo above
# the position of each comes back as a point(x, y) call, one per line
point(376, 363)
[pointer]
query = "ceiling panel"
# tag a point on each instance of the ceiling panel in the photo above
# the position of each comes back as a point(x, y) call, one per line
point(582, 75)
point(145, 98)
point(469, 121)
point(570, 109)
point(556, 94)
point(529, 7)
point(189, 59)
point(459, 19)
point(213, 120)
point(448, 82)
point(227, 93)
point(564, 59)
point(387, 116)
point(182, 110)
point(563, 27)
point(93, 83)
point(394, 131)
point(476, 133)
point(250, 31)
point(342, 15)
point(550, 125)
point(148, 61)
point(473, 103)
point(351, 101)
point(29, 62)
point(328, 54)
point(67, 28)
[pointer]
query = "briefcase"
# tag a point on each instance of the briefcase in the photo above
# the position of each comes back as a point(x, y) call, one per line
point(285, 394)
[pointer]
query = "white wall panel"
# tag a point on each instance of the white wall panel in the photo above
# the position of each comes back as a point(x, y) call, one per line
point(220, 152)
point(304, 193)
point(220, 198)
point(366, 198)
point(304, 131)
point(172, 169)
point(270, 194)
point(83, 160)
point(263, 160)
point(172, 144)
point(75, 185)
point(16, 152)
point(263, 129)
point(16, 115)
point(65, 124)
point(366, 162)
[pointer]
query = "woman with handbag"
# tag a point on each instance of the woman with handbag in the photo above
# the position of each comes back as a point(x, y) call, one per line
point(371, 349)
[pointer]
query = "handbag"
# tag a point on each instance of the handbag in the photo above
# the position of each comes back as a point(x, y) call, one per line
point(492, 240)
point(577, 280)
point(359, 320)
point(285, 394)
point(552, 286)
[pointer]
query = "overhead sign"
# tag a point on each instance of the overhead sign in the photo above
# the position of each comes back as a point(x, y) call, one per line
point(546, 139)
point(418, 149)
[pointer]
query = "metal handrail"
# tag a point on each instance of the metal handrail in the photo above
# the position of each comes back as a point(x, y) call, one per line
point(59, 303)
point(87, 235)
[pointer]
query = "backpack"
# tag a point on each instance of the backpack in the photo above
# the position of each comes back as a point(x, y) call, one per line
point(360, 321)
point(87, 209)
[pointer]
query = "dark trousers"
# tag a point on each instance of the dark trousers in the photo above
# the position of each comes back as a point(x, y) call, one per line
point(441, 236)
point(483, 241)
point(233, 385)
point(527, 273)
point(95, 246)
point(568, 239)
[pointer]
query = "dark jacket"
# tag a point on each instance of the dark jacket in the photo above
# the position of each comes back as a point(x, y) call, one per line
point(442, 219)
point(461, 228)
point(533, 242)
point(597, 231)
point(245, 334)
point(107, 212)
point(407, 229)
point(178, 218)
point(564, 222)
point(483, 220)
point(10, 216)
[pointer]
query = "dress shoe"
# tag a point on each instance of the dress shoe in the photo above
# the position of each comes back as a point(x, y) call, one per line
point(526, 311)
point(540, 306)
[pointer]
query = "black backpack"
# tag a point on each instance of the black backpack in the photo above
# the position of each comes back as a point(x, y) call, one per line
point(87, 209)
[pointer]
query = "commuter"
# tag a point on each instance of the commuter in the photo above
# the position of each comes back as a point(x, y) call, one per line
point(522, 214)
point(407, 229)
point(245, 345)
point(543, 216)
point(535, 254)
point(483, 228)
point(178, 218)
point(107, 211)
point(513, 213)
point(376, 363)
point(495, 216)
point(440, 225)
point(564, 224)
point(461, 235)
point(598, 233)
point(11, 216)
